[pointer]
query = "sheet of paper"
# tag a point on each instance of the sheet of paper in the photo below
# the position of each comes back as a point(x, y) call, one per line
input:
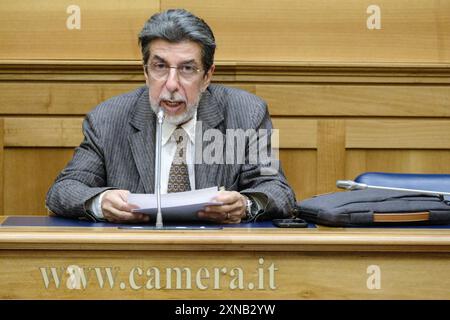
point(179, 206)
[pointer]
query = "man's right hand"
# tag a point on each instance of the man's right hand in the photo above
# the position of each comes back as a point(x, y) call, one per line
point(116, 209)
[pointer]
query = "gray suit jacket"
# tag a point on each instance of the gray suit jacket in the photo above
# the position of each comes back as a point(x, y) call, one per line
point(118, 152)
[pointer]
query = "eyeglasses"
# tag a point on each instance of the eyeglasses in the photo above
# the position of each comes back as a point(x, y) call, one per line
point(160, 70)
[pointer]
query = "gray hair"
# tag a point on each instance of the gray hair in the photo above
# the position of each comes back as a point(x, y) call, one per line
point(177, 25)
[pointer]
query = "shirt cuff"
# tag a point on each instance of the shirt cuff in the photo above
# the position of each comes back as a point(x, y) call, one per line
point(259, 201)
point(94, 205)
point(259, 204)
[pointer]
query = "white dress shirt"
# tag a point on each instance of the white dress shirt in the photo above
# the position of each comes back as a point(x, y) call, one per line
point(168, 148)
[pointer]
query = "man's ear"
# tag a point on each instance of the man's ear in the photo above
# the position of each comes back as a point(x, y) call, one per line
point(208, 77)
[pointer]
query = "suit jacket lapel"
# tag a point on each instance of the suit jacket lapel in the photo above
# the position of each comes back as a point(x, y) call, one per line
point(209, 116)
point(142, 141)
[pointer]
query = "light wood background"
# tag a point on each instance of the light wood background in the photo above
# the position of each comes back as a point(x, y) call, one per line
point(345, 98)
point(252, 30)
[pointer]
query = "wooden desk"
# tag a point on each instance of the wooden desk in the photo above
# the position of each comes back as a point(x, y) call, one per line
point(323, 263)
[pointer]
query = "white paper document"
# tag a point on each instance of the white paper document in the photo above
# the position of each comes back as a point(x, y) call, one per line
point(177, 206)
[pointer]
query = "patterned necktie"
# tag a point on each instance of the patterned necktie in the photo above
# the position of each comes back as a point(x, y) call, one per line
point(179, 174)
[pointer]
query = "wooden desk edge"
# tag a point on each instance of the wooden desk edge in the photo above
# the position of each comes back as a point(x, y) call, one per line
point(390, 240)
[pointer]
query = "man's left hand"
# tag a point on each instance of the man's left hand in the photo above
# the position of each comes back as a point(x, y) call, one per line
point(232, 210)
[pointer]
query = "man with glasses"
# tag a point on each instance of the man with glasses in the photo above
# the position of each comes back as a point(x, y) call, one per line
point(117, 155)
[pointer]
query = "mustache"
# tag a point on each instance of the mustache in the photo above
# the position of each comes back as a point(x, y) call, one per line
point(172, 97)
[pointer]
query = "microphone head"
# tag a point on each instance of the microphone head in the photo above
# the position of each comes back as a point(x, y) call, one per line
point(344, 184)
point(160, 114)
point(350, 185)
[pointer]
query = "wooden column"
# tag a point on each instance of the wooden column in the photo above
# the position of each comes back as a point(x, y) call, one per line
point(1, 165)
point(330, 154)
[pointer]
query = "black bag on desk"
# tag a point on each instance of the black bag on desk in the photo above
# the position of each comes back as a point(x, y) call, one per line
point(371, 207)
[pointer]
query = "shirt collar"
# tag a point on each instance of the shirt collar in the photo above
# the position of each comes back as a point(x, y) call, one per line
point(169, 128)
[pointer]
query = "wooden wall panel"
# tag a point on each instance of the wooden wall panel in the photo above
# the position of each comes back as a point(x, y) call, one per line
point(330, 154)
point(255, 30)
point(43, 132)
point(356, 100)
point(1, 167)
point(57, 98)
point(77, 98)
point(29, 172)
point(398, 134)
point(296, 133)
point(300, 168)
point(267, 30)
point(37, 29)
point(404, 161)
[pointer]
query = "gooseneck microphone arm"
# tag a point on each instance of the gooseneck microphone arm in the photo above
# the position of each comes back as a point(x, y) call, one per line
point(352, 185)
point(160, 118)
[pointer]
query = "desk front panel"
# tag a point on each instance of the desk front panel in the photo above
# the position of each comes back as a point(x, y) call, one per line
point(227, 264)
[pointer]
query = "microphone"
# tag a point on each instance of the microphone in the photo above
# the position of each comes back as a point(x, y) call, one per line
point(160, 118)
point(352, 185)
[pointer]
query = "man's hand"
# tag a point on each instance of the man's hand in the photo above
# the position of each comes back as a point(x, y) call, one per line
point(116, 209)
point(231, 211)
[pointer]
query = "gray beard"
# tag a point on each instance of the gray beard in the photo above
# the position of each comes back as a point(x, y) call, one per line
point(181, 118)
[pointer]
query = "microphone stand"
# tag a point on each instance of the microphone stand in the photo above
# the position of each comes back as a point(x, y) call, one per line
point(352, 185)
point(160, 118)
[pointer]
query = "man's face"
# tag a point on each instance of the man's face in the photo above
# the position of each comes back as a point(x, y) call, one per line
point(178, 91)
